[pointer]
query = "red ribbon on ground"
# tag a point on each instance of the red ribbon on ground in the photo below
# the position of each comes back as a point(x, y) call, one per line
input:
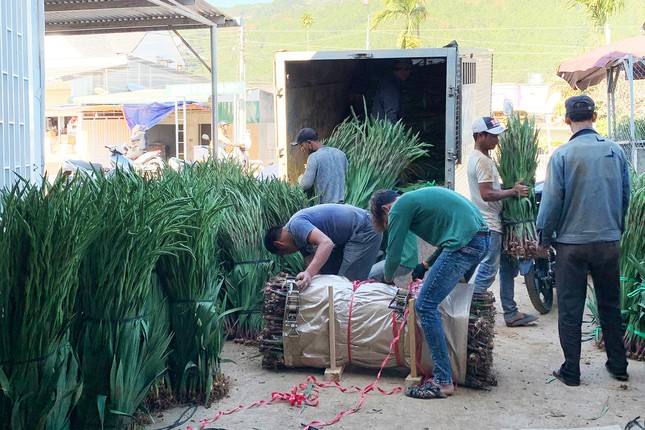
point(297, 398)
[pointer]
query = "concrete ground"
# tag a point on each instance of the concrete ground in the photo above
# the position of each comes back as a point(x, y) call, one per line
point(526, 396)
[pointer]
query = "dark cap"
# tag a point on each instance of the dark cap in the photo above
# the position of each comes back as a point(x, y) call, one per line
point(305, 135)
point(579, 104)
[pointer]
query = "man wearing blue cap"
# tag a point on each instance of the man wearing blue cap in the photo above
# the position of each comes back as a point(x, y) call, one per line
point(582, 213)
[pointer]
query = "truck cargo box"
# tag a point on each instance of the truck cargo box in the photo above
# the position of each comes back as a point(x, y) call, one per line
point(447, 89)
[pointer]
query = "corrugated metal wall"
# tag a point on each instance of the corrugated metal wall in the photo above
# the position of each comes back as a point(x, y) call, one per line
point(476, 99)
point(22, 25)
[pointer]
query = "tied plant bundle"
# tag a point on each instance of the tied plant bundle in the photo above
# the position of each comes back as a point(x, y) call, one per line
point(517, 155)
point(192, 279)
point(632, 271)
point(45, 234)
point(121, 336)
point(250, 263)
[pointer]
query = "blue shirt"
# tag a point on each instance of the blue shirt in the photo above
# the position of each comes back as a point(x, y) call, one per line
point(336, 221)
point(586, 192)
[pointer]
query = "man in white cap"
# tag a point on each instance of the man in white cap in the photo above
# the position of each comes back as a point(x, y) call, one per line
point(487, 194)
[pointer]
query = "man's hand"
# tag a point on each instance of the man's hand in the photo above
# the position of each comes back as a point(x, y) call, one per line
point(520, 190)
point(419, 271)
point(303, 279)
point(388, 281)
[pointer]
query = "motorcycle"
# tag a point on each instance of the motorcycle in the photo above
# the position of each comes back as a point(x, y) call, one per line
point(148, 162)
point(73, 167)
point(539, 273)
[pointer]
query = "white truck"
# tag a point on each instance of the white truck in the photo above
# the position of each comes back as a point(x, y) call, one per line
point(452, 88)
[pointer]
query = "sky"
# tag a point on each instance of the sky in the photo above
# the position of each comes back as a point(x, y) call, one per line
point(229, 3)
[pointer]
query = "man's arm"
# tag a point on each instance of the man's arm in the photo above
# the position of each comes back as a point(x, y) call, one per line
point(551, 203)
point(308, 178)
point(626, 194)
point(397, 232)
point(489, 194)
point(324, 247)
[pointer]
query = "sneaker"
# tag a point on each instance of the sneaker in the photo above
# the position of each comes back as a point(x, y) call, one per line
point(521, 319)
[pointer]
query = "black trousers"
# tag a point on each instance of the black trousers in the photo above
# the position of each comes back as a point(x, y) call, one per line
point(573, 263)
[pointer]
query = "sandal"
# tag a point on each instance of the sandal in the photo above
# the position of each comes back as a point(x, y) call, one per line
point(425, 391)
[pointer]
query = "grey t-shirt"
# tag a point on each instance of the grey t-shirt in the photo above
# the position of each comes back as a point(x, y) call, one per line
point(326, 169)
point(338, 222)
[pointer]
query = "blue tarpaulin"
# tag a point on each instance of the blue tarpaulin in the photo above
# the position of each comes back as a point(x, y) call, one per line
point(151, 114)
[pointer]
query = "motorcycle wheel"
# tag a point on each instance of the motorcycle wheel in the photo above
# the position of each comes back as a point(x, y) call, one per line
point(540, 290)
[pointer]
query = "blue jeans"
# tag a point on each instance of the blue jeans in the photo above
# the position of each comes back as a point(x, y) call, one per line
point(508, 269)
point(442, 279)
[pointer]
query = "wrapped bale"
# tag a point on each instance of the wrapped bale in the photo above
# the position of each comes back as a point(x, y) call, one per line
point(296, 332)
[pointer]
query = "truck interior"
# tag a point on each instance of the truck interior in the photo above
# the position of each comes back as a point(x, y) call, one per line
point(323, 93)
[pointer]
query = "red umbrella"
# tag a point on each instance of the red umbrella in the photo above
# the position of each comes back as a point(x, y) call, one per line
point(591, 68)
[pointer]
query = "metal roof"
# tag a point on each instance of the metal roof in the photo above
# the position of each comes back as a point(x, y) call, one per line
point(73, 17)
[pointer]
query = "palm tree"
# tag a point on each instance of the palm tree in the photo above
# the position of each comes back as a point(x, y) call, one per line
point(599, 12)
point(412, 11)
point(306, 21)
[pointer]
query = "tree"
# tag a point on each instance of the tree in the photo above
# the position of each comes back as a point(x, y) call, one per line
point(412, 11)
point(599, 12)
point(306, 21)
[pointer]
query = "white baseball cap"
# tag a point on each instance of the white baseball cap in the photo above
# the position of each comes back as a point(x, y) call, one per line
point(488, 125)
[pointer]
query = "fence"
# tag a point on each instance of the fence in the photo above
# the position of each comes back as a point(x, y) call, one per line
point(626, 110)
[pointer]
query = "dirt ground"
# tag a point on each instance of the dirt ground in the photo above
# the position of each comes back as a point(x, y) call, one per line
point(526, 396)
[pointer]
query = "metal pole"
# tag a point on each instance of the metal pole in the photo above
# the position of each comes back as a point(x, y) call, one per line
point(214, 103)
point(183, 128)
point(241, 108)
point(367, 30)
point(176, 130)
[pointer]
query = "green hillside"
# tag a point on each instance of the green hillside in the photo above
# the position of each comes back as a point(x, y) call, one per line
point(525, 36)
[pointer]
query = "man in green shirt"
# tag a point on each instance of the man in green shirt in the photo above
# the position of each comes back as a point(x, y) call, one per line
point(452, 223)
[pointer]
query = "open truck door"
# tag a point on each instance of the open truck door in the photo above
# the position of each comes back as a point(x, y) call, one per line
point(320, 90)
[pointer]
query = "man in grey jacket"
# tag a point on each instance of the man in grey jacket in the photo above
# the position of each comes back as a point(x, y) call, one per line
point(326, 168)
point(582, 212)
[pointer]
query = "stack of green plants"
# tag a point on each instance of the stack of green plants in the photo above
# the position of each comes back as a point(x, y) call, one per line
point(250, 264)
point(192, 279)
point(632, 271)
point(517, 156)
point(378, 153)
point(121, 339)
point(45, 233)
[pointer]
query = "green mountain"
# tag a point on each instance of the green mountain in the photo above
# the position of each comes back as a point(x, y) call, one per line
point(526, 36)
